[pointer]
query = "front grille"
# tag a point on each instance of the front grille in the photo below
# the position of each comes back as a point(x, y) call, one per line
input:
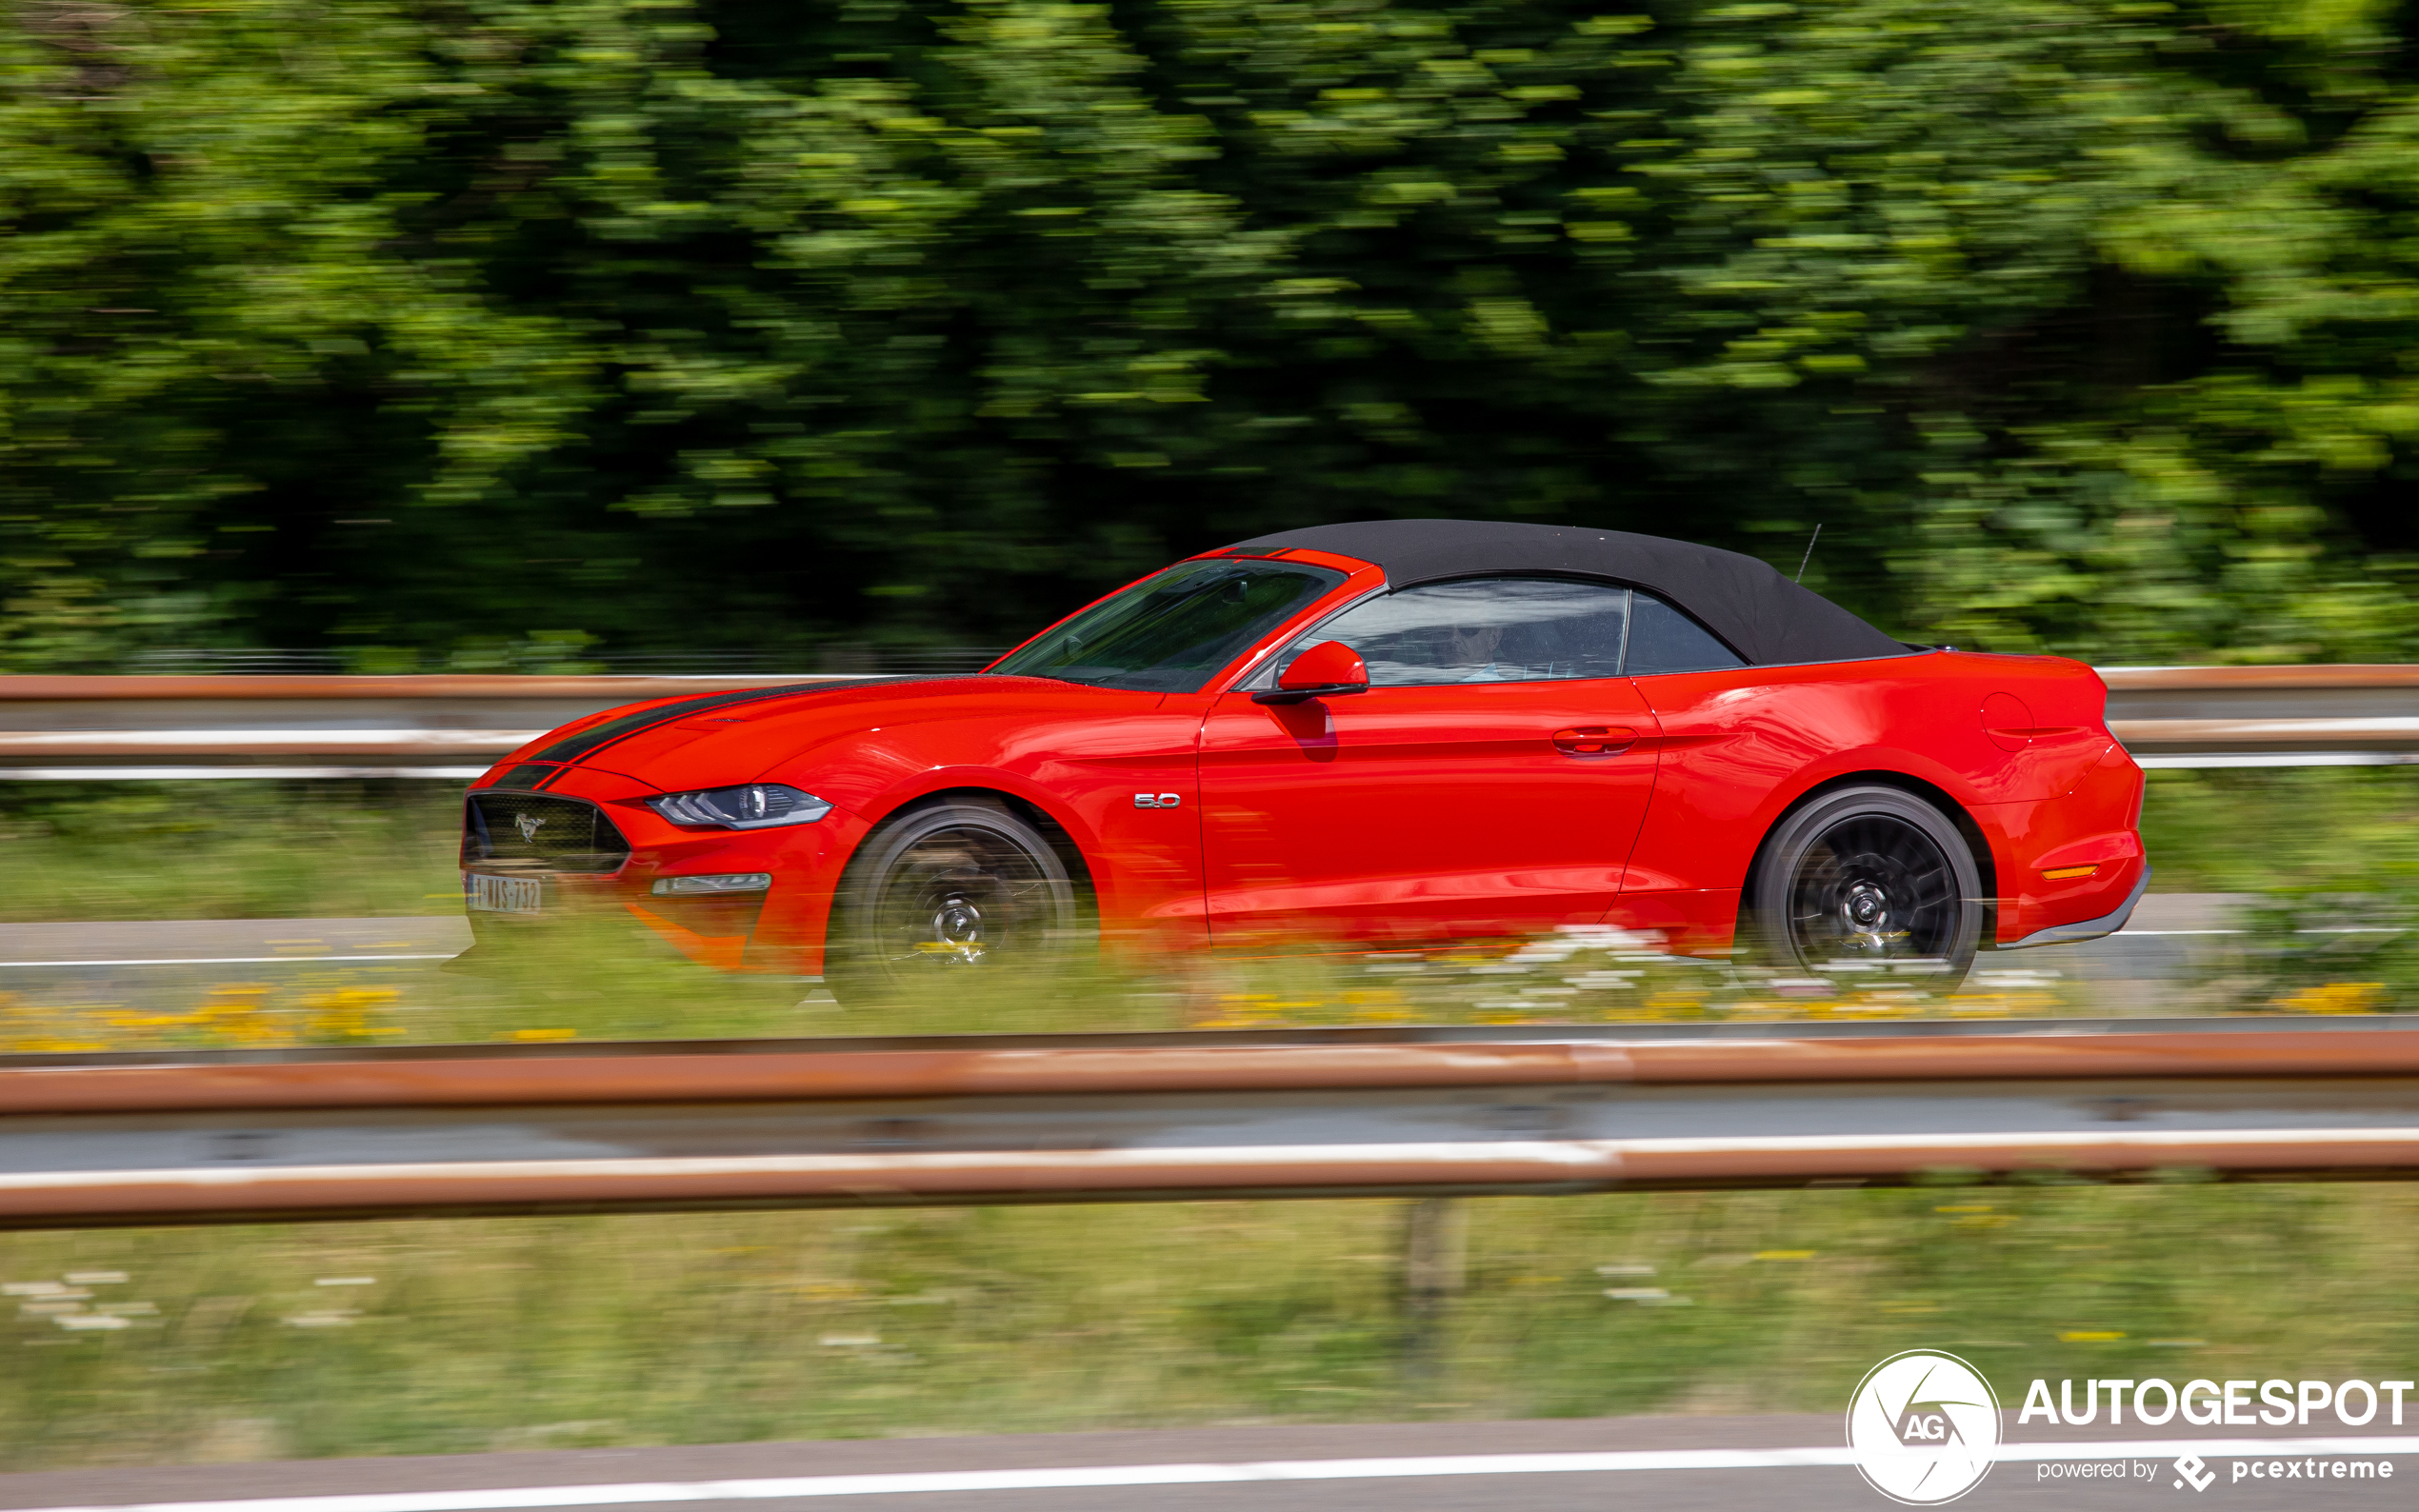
point(513, 831)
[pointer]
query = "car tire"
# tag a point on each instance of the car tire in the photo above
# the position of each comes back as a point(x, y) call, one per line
point(1867, 876)
point(949, 890)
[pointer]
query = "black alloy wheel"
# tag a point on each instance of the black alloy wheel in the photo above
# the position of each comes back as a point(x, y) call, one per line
point(1864, 877)
point(954, 890)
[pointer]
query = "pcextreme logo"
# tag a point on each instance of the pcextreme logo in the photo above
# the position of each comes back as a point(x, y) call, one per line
point(1923, 1427)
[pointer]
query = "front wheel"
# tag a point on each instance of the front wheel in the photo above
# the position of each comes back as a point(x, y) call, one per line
point(1863, 877)
point(952, 891)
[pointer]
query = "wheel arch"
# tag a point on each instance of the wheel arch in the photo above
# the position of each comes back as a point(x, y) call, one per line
point(1977, 844)
point(1062, 841)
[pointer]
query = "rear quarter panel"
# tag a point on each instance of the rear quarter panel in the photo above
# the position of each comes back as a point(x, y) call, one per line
point(1739, 748)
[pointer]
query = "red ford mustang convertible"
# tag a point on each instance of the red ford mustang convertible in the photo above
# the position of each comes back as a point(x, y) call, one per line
point(1399, 732)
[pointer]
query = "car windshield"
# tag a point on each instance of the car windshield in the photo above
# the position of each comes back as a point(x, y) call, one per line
point(1173, 633)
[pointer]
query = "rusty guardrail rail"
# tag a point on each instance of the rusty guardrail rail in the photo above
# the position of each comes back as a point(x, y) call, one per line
point(243, 725)
point(454, 726)
point(249, 1136)
point(2266, 716)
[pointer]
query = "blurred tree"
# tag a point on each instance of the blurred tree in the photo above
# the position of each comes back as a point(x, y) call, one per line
point(490, 332)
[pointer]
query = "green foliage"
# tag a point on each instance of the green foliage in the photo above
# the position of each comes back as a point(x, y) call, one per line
point(471, 333)
point(2328, 862)
point(2310, 830)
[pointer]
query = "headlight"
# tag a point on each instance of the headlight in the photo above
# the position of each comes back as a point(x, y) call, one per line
point(749, 805)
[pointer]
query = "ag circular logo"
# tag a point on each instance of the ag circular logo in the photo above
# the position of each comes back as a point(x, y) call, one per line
point(1922, 1428)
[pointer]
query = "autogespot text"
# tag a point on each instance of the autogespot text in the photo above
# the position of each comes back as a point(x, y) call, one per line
point(2208, 1404)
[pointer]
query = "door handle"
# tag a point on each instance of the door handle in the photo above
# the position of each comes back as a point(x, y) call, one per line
point(1595, 740)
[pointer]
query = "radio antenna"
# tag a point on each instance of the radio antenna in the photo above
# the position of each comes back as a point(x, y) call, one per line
point(1808, 556)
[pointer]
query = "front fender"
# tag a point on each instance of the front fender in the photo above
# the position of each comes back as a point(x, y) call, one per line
point(1082, 774)
point(930, 781)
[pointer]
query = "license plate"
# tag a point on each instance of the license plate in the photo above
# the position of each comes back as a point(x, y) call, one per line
point(490, 894)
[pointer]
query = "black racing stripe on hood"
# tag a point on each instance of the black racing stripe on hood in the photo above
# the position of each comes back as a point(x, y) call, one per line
point(594, 738)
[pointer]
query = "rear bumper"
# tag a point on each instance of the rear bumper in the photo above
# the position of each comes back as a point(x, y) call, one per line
point(2108, 924)
point(2071, 862)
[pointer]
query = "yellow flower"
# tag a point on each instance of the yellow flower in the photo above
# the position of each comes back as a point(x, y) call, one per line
point(238, 1012)
point(44, 1044)
point(2335, 997)
point(347, 1013)
point(1674, 1005)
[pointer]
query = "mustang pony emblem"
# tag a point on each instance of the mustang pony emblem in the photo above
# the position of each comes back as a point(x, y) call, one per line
point(528, 824)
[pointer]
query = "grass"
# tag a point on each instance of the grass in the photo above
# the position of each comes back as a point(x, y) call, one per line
point(228, 849)
point(2291, 830)
point(600, 982)
point(2329, 857)
point(420, 1338)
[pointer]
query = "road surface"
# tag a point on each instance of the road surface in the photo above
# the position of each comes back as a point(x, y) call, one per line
point(1684, 1464)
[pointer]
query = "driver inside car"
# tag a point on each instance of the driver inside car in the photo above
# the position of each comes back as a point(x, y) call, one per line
point(1472, 647)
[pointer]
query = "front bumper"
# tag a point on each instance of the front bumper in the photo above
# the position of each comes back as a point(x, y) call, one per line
point(778, 931)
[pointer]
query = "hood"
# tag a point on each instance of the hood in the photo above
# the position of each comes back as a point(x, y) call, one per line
point(740, 736)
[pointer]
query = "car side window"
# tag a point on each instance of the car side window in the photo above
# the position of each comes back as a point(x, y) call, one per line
point(1481, 630)
point(1663, 639)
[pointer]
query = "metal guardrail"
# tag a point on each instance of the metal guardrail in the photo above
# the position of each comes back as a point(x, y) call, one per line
point(249, 1136)
point(452, 728)
point(2266, 716)
point(448, 728)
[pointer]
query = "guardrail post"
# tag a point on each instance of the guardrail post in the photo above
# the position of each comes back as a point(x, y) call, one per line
point(1435, 1270)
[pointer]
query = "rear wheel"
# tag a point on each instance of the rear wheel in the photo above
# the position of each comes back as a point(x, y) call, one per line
point(958, 890)
point(1867, 876)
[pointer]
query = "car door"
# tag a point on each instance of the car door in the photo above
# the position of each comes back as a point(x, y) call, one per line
point(1491, 780)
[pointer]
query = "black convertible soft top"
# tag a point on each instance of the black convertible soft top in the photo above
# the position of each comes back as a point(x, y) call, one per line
point(1764, 616)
